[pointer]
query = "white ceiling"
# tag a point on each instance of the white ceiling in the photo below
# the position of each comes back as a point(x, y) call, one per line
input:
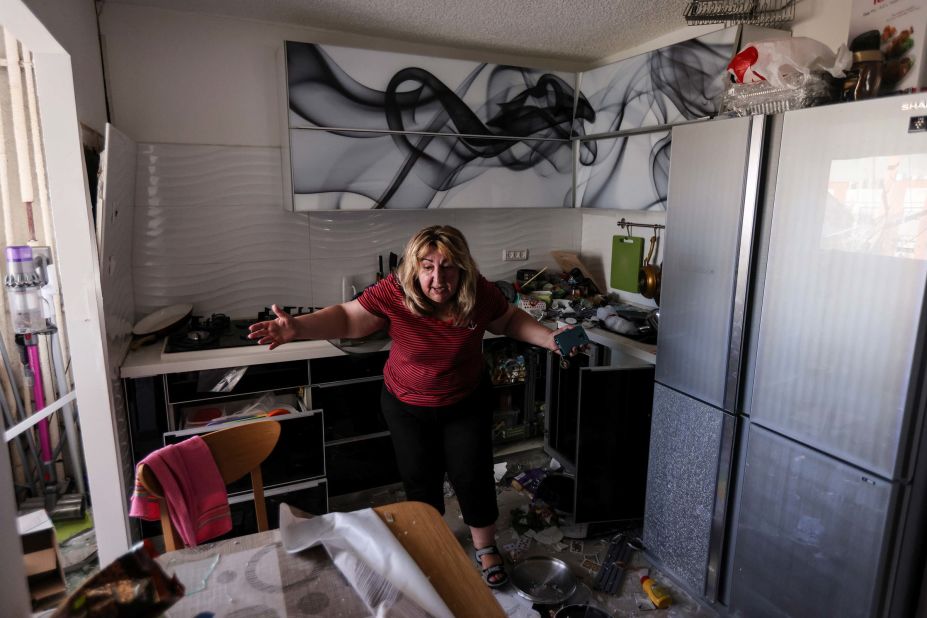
point(580, 31)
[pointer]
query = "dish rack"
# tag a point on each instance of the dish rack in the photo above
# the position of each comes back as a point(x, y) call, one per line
point(769, 13)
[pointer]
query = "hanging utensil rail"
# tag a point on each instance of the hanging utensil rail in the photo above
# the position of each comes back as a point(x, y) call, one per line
point(628, 225)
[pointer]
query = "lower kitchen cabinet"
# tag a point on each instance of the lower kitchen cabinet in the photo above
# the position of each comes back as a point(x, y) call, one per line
point(517, 373)
point(358, 448)
point(167, 409)
point(356, 465)
point(309, 496)
point(337, 440)
point(598, 427)
point(299, 454)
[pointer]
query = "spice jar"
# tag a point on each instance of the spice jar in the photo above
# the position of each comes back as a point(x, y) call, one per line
point(868, 66)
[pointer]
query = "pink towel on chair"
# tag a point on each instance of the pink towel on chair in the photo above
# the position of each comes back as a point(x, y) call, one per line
point(196, 496)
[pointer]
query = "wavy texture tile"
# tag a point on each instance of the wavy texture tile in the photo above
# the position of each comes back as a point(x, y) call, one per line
point(198, 238)
point(188, 175)
point(346, 244)
point(210, 229)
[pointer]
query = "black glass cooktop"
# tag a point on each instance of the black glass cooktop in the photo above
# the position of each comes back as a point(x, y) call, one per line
point(220, 331)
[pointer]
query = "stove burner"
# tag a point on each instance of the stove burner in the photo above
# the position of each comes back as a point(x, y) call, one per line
point(198, 335)
point(216, 322)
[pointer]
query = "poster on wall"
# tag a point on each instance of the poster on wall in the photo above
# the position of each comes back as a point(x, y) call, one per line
point(509, 127)
point(630, 172)
point(672, 84)
point(361, 170)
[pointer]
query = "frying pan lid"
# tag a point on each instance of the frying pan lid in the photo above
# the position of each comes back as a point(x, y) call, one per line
point(163, 318)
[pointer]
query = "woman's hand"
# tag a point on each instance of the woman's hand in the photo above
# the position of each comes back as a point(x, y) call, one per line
point(275, 332)
point(552, 343)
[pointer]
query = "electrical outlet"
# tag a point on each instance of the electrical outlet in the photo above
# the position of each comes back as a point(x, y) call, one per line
point(514, 255)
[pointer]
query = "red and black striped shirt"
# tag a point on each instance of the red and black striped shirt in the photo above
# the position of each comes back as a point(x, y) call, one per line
point(432, 363)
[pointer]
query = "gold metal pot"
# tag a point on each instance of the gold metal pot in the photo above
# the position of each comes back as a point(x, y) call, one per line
point(650, 275)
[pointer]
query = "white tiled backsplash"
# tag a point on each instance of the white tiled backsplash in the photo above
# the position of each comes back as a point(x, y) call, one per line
point(211, 230)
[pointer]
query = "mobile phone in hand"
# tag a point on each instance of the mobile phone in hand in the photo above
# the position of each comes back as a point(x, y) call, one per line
point(571, 338)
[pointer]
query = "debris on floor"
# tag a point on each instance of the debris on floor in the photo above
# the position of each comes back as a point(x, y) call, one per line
point(531, 512)
point(529, 481)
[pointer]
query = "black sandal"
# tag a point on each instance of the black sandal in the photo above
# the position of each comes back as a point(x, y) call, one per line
point(495, 575)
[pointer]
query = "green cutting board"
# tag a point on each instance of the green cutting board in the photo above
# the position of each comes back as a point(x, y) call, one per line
point(627, 256)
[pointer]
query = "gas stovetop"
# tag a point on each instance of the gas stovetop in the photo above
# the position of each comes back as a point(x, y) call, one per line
point(219, 331)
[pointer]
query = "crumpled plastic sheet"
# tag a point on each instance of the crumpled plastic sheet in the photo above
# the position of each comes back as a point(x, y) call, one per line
point(376, 565)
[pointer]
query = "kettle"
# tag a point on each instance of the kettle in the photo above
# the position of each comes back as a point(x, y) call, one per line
point(649, 276)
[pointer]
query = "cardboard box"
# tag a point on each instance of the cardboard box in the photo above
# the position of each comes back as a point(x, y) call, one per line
point(902, 25)
point(40, 556)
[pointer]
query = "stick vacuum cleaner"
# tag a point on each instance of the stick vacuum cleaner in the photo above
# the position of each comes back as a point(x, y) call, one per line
point(24, 283)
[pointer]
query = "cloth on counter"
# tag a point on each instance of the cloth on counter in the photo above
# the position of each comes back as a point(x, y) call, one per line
point(193, 489)
point(377, 566)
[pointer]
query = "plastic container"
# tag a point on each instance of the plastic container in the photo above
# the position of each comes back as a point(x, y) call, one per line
point(26, 310)
point(658, 595)
point(23, 288)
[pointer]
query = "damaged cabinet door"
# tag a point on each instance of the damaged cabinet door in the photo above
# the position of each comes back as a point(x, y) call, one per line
point(598, 427)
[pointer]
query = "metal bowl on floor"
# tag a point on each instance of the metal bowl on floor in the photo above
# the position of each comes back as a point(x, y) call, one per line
point(545, 580)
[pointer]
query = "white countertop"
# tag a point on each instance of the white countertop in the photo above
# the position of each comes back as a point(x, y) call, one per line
point(149, 360)
point(643, 351)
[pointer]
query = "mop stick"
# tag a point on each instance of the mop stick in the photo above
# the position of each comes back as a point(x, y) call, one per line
point(20, 407)
point(29, 472)
point(38, 393)
point(68, 412)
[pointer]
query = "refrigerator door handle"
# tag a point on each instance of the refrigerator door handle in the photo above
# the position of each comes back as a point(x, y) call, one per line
point(719, 515)
point(744, 259)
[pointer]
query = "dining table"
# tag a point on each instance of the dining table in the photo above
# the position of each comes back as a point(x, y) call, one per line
point(254, 575)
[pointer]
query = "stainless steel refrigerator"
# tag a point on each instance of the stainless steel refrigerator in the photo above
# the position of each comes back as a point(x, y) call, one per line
point(786, 465)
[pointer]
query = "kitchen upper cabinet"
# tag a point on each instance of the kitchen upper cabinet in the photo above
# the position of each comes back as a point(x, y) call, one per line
point(333, 87)
point(628, 172)
point(665, 86)
point(370, 129)
point(350, 170)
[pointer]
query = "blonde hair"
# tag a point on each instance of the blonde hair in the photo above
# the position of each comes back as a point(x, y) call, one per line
point(453, 246)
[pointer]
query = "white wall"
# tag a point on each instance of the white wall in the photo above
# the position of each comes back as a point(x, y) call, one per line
point(74, 26)
point(827, 21)
point(189, 78)
point(193, 80)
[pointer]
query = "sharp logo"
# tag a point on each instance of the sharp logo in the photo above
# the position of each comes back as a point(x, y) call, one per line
point(907, 107)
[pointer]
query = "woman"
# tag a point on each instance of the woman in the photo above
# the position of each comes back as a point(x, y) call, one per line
point(436, 307)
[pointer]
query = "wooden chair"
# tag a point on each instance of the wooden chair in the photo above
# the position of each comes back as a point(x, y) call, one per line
point(237, 450)
point(423, 533)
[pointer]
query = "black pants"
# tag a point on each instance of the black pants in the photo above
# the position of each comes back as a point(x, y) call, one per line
point(455, 439)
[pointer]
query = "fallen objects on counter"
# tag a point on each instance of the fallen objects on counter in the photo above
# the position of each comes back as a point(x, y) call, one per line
point(609, 317)
point(567, 260)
